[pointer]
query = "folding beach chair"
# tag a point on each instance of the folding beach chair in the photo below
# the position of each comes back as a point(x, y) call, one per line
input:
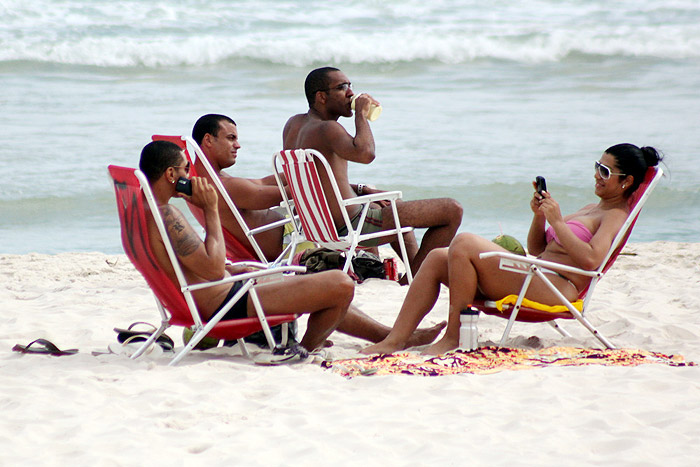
point(175, 302)
point(514, 308)
point(235, 249)
point(311, 204)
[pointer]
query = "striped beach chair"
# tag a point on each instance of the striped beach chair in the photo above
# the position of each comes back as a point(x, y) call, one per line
point(313, 208)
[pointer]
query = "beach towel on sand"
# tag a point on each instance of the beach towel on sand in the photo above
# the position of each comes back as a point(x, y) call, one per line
point(494, 359)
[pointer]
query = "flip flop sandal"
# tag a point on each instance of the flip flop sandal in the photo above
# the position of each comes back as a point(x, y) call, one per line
point(43, 347)
point(163, 340)
point(284, 355)
point(132, 344)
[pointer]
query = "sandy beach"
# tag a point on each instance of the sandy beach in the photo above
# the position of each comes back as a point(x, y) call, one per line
point(216, 408)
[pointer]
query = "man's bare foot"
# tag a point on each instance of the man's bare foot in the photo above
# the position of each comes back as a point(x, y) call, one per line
point(425, 336)
point(442, 346)
point(382, 347)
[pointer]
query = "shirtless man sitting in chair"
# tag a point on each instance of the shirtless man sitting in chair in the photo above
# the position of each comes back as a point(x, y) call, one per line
point(217, 136)
point(329, 94)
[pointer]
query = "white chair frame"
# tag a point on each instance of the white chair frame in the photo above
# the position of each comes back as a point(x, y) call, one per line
point(532, 267)
point(195, 152)
point(251, 279)
point(327, 235)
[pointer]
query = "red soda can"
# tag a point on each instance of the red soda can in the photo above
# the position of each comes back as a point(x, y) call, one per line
point(391, 271)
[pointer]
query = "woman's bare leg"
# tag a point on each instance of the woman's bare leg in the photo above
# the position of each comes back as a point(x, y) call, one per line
point(463, 272)
point(420, 299)
point(470, 271)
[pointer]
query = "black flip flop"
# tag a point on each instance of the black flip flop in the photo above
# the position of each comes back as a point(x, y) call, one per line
point(43, 347)
point(140, 336)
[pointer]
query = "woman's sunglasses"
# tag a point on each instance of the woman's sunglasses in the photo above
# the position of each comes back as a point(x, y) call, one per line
point(604, 171)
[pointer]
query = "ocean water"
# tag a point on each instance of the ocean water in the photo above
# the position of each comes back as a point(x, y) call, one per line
point(478, 97)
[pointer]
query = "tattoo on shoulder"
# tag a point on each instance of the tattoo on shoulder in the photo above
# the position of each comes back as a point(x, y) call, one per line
point(184, 240)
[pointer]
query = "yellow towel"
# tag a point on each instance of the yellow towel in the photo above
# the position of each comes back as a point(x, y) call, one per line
point(288, 229)
point(511, 299)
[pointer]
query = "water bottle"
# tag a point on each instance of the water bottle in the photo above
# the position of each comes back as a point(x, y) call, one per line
point(468, 332)
point(374, 110)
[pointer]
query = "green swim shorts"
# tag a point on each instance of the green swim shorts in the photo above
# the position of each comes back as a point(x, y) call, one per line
point(373, 223)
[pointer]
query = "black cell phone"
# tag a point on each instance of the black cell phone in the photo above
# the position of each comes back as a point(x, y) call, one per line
point(541, 184)
point(184, 186)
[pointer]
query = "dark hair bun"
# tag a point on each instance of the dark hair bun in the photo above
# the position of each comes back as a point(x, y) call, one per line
point(651, 156)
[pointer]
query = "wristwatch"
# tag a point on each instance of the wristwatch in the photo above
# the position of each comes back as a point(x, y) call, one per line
point(360, 188)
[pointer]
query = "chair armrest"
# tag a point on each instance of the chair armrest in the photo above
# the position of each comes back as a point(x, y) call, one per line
point(511, 261)
point(384, 195)
point(247, 275)
point(271, 225)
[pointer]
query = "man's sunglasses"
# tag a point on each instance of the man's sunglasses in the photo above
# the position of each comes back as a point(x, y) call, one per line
point(341, 87)
point(186, 167)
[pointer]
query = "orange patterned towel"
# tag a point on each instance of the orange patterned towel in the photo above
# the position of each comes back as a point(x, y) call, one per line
point(494, 359)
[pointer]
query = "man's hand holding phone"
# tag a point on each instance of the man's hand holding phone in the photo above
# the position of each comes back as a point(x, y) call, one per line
point(203, 194)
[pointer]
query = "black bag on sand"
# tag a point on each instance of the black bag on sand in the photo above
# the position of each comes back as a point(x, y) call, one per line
point(364, 264)
point(368, 265)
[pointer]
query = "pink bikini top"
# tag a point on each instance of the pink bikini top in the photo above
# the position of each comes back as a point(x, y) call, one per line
point(580, 230)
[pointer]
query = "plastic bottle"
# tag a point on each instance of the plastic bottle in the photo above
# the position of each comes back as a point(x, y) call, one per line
point(374, 110)
point(468, 332)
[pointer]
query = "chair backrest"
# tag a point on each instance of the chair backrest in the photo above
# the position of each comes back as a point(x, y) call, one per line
point(235, 249)
point(636, 203)
point(133, 203)
point(310, 201)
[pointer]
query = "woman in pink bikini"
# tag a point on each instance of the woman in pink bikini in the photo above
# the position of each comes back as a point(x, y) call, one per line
point(581, 239)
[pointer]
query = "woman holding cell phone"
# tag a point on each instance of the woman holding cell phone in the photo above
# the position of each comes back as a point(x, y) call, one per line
point(580, 239)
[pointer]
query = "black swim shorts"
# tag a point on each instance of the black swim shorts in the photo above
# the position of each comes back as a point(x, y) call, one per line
point(240, 309)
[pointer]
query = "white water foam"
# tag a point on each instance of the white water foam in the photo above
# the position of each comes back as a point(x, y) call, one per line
point(130, 34)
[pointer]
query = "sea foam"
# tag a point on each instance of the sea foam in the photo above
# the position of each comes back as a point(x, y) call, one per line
point(183, 33)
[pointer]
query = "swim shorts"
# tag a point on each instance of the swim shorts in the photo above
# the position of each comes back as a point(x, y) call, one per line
point(373, 223)
point(240, 309)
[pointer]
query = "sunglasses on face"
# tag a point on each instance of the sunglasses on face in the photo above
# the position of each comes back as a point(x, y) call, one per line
point(604, 171)
point(341, 87)
point(186, 167)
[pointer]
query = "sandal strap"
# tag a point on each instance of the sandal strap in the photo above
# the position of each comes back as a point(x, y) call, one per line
point(48, 346)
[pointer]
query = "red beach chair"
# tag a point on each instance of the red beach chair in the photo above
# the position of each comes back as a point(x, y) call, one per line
point(175, 303)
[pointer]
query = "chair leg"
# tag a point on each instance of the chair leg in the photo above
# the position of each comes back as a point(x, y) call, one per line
point(182, 353)
point(244, 349)
point(577, 314)
point(285, 334)
point(164, 324)
point(261, 316)
point(402, 244)
point(348, 256)
point(559, 329)
point(516, 309)
point(594, 331)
